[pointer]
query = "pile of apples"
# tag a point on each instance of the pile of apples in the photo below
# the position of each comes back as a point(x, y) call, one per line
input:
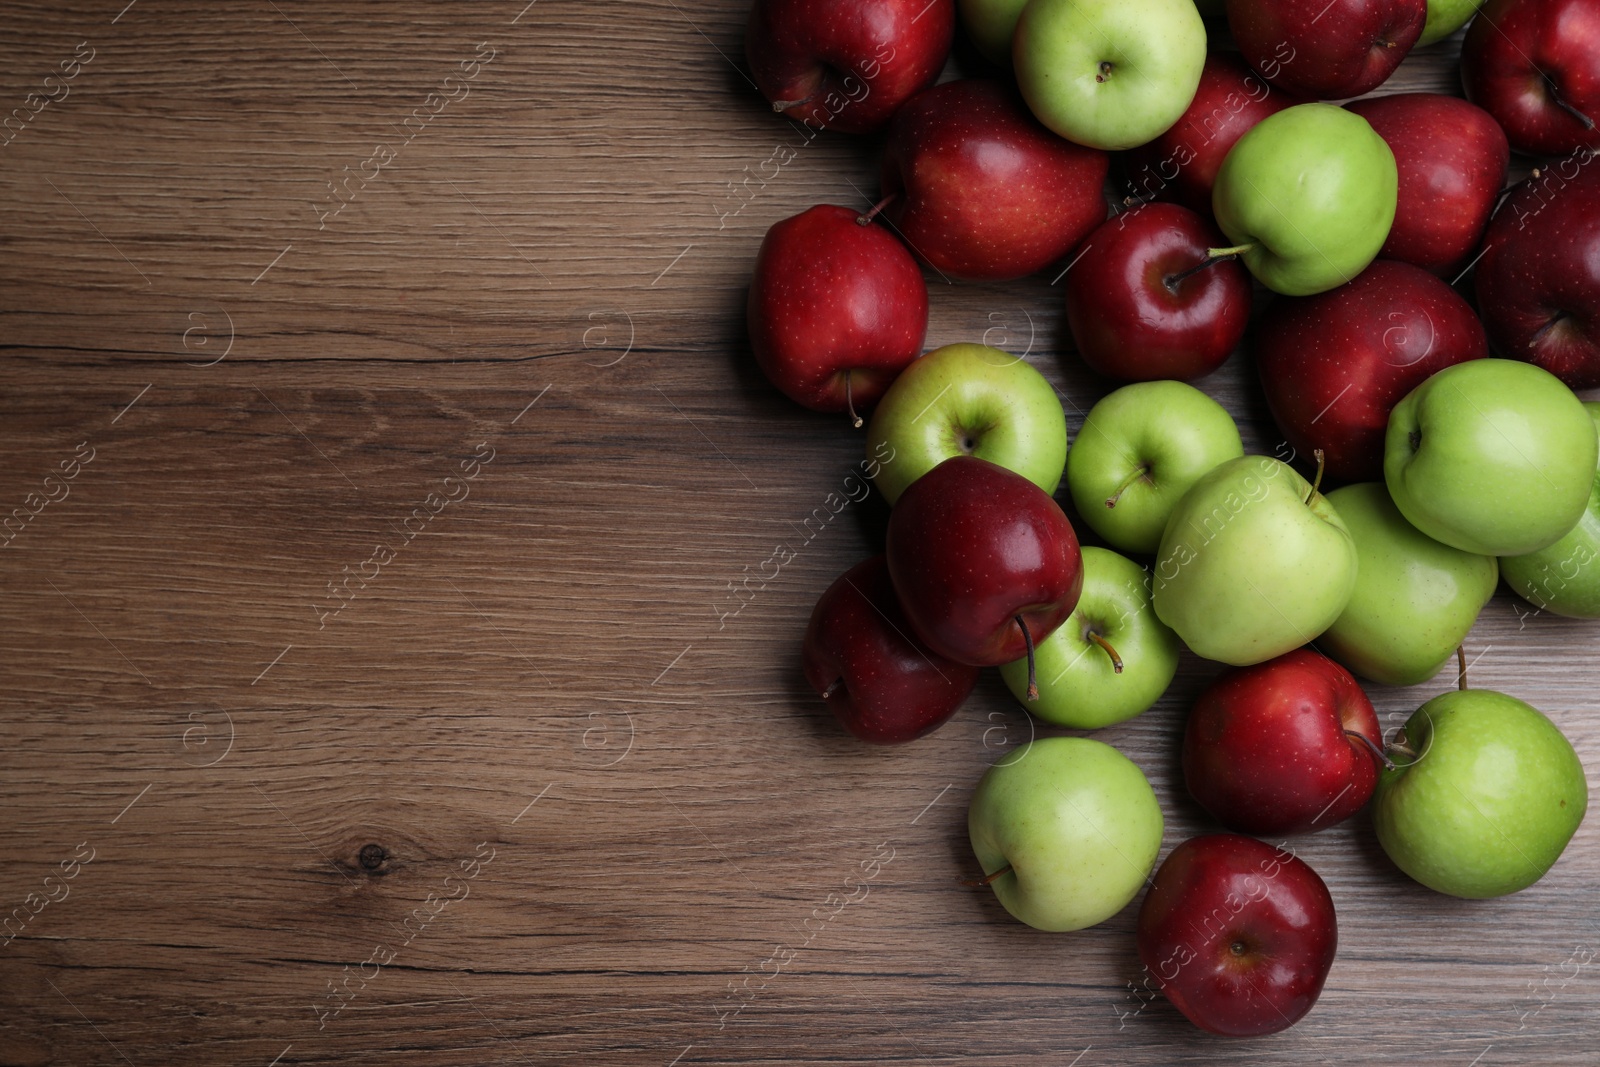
point(1455, 468)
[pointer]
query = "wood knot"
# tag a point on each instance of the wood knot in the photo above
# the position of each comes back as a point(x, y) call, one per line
point(373, 857)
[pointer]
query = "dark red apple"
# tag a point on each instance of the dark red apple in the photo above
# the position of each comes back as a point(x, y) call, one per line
point(1238, 934)
point(1145, 302)
point(984, 561)
point(1535, 66)
point(1326, 49)
point(836, 309)
point(1334, 365)
point(1539, 279)
point(1452, 159)
point(883, 685)
point(979, 189)
point(1283, 747)
point(846, 65)
point(1183, 162)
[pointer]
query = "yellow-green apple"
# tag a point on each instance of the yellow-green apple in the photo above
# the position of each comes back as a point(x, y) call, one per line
point(1534, 66)
point(990, 24)
point(1564, 577)
point(1335, 48)
point(1446, 17)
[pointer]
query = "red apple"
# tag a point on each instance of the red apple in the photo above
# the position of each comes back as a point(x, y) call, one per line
point(1452, 159)
point(1535, 66)
point(1184, 160)
point(984, 561)
point(846, 65)
point(1539, 280)
point(1334, 365)
point(979, 189)
point(1142, 307)
point(1282, 747)
point(1240, 935)
point(858, 653)
point(1326, 49)
point(836, 309)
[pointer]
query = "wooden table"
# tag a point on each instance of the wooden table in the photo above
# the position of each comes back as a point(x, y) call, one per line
point(400, 675)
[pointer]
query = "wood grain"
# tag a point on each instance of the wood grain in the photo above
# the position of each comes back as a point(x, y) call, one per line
point(274, 627)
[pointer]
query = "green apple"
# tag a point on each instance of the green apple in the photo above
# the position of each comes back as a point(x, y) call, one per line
point(990, 24)
point(1415, 599)
point(1139, 451)
point(1253, 563)
point(1493, 456)
point(967, 399)
point(1307, 197)
point(1068, 829)
point(1109, 74)
point(1110, 660)
point(1563, 577)
point(1493, 795)
point(1446, 17)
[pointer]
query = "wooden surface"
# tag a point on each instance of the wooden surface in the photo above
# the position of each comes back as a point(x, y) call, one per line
point(558, 713)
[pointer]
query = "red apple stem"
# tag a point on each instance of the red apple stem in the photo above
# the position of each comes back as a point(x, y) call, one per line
point(989, 879)
point(1316, 483)
point(1461, 666)
point(780, 106)
point(1588, 123)
point(833, 688)
point(1033, 677)
point(1374, 749)
point(1213, 257)
point(862, 220)
point(1139, 472)
point(849, 402)
point(1116, 660)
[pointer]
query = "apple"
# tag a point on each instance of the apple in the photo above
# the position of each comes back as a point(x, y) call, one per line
point(990, 24)
point(1146, 301)
point(1451, 158)
point(1254, 562)
point(1491, 456)
point(1239, 934)
point(1139, 451)
point(1563, 577)
point(1334, 365)
point(1326, 49)
point(1489, 800)
point(979, 189)
point(1184, 160)
point(1109, 74)
point(967, 399)
point(984, 561)
point(1446, 17)
point(846, 65)
point(1538, 282)
point(859, 656)
point(1110, 660)
point(1415, 599)
point(836, 309)
point(1534, 66)
point(1288, 746)
point(1067, 829)
point(1307, 197)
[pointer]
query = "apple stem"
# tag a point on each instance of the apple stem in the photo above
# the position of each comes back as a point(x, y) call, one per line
point(1401, 745)
point(1213, 257)
point(1461, 666)
point(1139, 472)
point(862, 220)
point(1374, 749)
point(780, 106)
point(1316, 482)
point(1587, 122)
point(1236, 250)
point(833, 688)
point(1116, 660)
point(849, 402)
point(990, 879)
point(1033, 677)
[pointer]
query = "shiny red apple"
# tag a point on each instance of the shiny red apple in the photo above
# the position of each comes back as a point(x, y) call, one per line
point(1334, 365)
point(1535, 66)
point(1284, 747)
point(1326, 49)
point(836, 309)
point(1145, 301)
point(1452, 157)
point(846, 65)
point(1239, 935)
point(979, 189)
point(858, 653)
point(985, 563)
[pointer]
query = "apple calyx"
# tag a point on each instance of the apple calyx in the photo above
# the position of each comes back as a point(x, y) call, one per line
point(1033, 677)
point(1105, 71)
point(1316, 482)
point(1116, 660)
point(866, 218)
point(988, 879)
point(1141, 471)
point(1379, 754)
point(850, 404)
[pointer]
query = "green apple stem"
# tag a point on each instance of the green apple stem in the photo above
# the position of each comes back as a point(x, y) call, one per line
point(862, 220)
point(1139, 472)
point(1461, 666)
point(1316, 483)
point(849, 402)
point(1223, 253)
point(1213, 257)
point(1399, 744)
point(1033, 677)
point(1374, 749)
point(989, 879)
point(1116, 660)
